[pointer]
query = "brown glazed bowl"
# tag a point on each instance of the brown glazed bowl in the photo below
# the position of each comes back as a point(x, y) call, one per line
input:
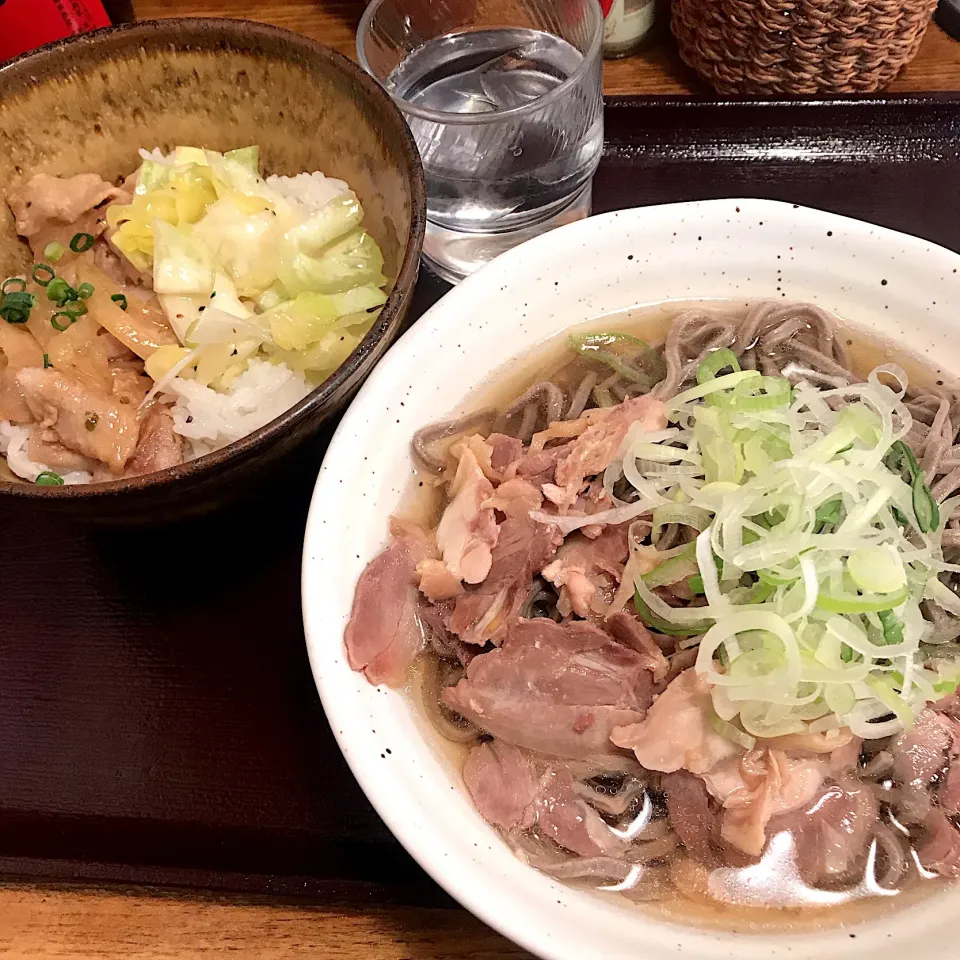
point(90, 102)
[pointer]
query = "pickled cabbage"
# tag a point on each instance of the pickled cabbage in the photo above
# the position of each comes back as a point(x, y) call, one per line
point(245, 269)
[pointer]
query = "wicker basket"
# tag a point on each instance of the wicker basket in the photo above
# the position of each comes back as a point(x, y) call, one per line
point(799, 46)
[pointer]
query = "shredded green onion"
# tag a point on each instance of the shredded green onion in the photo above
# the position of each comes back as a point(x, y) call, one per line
point(715, 362)
point(13, 285)
point(46, 361)
point(120, 299)
point(664, 626)
point(42, 274)
point(85, 291)
point(818, 540)
point(734, 734)
point(49, 479)
point(53, 251)
point(81, 242)
point(925, 508)
point(674, 569)
point(598, 347)
point(54, 322)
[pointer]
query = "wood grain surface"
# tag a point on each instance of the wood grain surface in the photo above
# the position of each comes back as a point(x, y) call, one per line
point(71, 923)
point(656, 68)
point(45, 922)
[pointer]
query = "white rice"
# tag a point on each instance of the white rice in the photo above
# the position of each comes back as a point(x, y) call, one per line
point(13, 445)
point(310, 190)
point(209, 420)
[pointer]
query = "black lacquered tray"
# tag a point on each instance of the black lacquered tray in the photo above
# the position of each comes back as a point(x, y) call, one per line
point(158, 720)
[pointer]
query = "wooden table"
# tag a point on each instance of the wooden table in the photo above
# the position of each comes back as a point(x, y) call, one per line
point(48, 922)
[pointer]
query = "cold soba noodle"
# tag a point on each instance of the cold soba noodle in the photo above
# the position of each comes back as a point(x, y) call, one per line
point(693, 611)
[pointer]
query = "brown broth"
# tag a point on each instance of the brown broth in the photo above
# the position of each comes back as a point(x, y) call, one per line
point(553, 360)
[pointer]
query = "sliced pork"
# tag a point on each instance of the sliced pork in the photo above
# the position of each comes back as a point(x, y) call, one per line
point(79, 416)
point(45, 202)
point(559, 689)
point(158, 447)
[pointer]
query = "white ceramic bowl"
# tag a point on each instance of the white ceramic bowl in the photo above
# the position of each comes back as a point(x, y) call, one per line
point(897, 285)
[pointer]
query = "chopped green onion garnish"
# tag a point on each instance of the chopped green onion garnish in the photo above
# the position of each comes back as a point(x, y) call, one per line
point(15, 307)
point(13, 285)
point(49, 479)
point(120, 299)
point(53, 251)
point(46, 361)
point(81, 242)
point(42, 274)
point(695, 583)
point(734, 734)
point(85, 291)
point(59, 291)
point(715, 362)
point(70, 318)
point(75, 308)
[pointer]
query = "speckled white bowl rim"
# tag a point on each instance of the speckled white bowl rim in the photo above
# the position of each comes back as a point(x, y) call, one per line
point(898, 285)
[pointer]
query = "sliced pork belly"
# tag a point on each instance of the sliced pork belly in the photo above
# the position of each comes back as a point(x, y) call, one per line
point(80, 416)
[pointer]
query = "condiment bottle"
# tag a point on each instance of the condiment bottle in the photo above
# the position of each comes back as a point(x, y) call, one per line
point(626, 23)
point(27, 24)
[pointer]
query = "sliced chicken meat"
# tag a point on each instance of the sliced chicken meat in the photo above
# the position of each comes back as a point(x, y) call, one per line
point(79, 416)
point(383, 636)
point(593, 451)
point(676, 734)
point(468, 530)
point(587, 572)
point(558, 689)
point(502, 781)
point(756, 787)
point(507, 791)
point(523, 547)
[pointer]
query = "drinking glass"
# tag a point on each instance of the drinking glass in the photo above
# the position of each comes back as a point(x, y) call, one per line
point(504, 99)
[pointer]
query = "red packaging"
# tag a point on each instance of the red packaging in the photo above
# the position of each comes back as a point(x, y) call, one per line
point(26, 24)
